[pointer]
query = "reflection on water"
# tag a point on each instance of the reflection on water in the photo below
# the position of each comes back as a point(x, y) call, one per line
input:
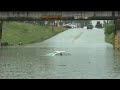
point(22, 62)
point(117, 60)
point(83, 63)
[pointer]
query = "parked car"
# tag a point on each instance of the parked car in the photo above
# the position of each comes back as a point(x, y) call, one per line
point(59, 53)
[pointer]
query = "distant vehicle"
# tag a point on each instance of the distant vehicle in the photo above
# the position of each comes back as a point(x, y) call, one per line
point(89, 26)
point(59, 53)
point(98, 25)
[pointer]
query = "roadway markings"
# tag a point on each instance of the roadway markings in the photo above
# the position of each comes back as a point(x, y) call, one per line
point(77, 36)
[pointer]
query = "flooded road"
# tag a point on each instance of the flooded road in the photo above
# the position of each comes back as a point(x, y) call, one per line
point(91, 58)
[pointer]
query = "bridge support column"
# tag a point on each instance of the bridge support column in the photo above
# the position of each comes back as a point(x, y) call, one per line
point(1, 22)
point(116, 34)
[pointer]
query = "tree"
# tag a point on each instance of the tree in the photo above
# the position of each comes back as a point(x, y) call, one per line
point(109, 28)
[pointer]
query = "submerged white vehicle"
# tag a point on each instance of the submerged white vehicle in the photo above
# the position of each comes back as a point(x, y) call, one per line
point(59, 53)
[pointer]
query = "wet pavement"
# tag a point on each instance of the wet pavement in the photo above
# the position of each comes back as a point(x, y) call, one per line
point(91, 58)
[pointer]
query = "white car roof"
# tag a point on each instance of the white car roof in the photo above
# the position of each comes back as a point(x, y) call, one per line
point(60, 51)
point(55, 52)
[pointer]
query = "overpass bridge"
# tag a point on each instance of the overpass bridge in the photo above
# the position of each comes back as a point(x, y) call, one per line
point(58, 15)
point(72, 15)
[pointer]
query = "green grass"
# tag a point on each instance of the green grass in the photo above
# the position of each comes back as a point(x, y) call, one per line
point(109, 38)
point(13, 32)
point(109, 33)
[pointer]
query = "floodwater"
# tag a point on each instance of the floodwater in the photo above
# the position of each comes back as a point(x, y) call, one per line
point(91, 58)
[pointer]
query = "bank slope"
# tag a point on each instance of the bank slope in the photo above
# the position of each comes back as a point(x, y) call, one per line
point(13, 32)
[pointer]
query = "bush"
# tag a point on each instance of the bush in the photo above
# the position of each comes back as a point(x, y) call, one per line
point(110, 38)
point(109, 33)
point(109, 29)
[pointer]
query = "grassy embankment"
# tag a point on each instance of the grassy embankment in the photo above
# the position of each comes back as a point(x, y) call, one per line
point(109, 33)
point(13, 32)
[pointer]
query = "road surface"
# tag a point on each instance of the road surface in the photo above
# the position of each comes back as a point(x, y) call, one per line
point(91, 58)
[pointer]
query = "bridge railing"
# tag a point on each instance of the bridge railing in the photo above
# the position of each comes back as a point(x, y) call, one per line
point(62, 14)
